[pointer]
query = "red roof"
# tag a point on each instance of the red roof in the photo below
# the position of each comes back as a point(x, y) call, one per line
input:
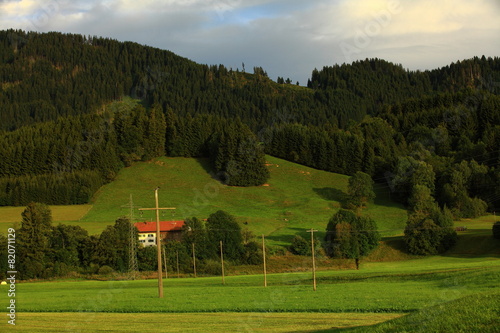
point(164, 226)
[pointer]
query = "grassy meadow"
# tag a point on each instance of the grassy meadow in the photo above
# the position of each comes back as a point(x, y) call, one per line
point(392, 292)
point(415, 289)
point(397, 288)
point(295, 199)
point(9, 216)
point(205, 322)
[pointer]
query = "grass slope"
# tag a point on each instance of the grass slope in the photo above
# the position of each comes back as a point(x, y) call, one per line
point(296, 198)
point(474, 313)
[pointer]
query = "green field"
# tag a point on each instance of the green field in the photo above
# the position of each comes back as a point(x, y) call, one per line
point(475, 313)
point(392, 292)
point(205, 322)
point(295, 199)
point(344, 298)
point(404, 287)
point(10, 215)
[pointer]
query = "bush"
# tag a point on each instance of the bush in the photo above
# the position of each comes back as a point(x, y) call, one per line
point(300, 246)
point(252, 254)
point(496, 230)
point(473, 207)
point(211, 267)
point(275, 250)
point(424, 237)
point(147, 258)
point(105, 270)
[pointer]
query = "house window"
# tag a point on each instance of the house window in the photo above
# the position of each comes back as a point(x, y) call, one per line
point(151, 240)
point(142, 241)
point(151, 235)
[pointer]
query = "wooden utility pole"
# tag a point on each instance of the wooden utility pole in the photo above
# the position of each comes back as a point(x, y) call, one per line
point(158, 241)
point(264, 257)
point(222, 262)
point(194, 261)
point(314, 262)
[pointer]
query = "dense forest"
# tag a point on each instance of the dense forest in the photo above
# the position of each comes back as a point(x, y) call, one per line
point(59, 140)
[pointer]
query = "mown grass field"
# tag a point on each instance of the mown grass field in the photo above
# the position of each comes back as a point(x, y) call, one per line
point(295, 199)
point(343, 299)
point(205, 322)
point(377, 288)
point(11, 215)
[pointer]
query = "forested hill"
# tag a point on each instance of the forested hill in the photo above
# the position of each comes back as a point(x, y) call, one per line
point(45, 76)
point(435, 132)
point(366, 86)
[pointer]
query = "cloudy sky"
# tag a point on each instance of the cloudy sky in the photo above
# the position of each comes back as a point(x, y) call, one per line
point(287, 38)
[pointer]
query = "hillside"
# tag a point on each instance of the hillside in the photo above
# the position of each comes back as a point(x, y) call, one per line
point(295, 199)
point(75, 74)
point(60, 142)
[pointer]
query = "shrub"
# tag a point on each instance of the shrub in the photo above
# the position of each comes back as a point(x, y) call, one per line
point(211, 267)
point(275, 250)
point(300, 246)
point(424, 237)
point(473, 207)
point(252, 254)
point(105, 270)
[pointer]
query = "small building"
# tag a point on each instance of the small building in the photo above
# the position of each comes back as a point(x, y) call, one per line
point(169, 230)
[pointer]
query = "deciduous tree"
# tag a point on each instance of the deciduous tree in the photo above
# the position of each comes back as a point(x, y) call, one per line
point(360, 190)
point(350, 236)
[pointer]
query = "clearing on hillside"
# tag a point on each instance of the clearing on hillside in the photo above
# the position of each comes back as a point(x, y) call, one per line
point(296, 198)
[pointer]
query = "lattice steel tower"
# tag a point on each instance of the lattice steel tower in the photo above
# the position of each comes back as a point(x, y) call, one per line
point(132, 255)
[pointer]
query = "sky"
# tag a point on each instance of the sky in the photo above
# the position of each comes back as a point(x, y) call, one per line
point(288, 38)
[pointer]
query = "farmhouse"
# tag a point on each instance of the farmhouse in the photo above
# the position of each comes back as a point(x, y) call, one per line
point(169, 230)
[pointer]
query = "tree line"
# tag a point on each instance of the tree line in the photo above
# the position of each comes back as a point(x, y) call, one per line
point(89, 150)
point(44, 250)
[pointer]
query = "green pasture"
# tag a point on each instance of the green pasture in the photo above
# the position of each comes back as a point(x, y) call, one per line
point(379, 287)
point(379, 292)
point(295, 199)
point(194, 322)
point(9, 216)
point(474, 313)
